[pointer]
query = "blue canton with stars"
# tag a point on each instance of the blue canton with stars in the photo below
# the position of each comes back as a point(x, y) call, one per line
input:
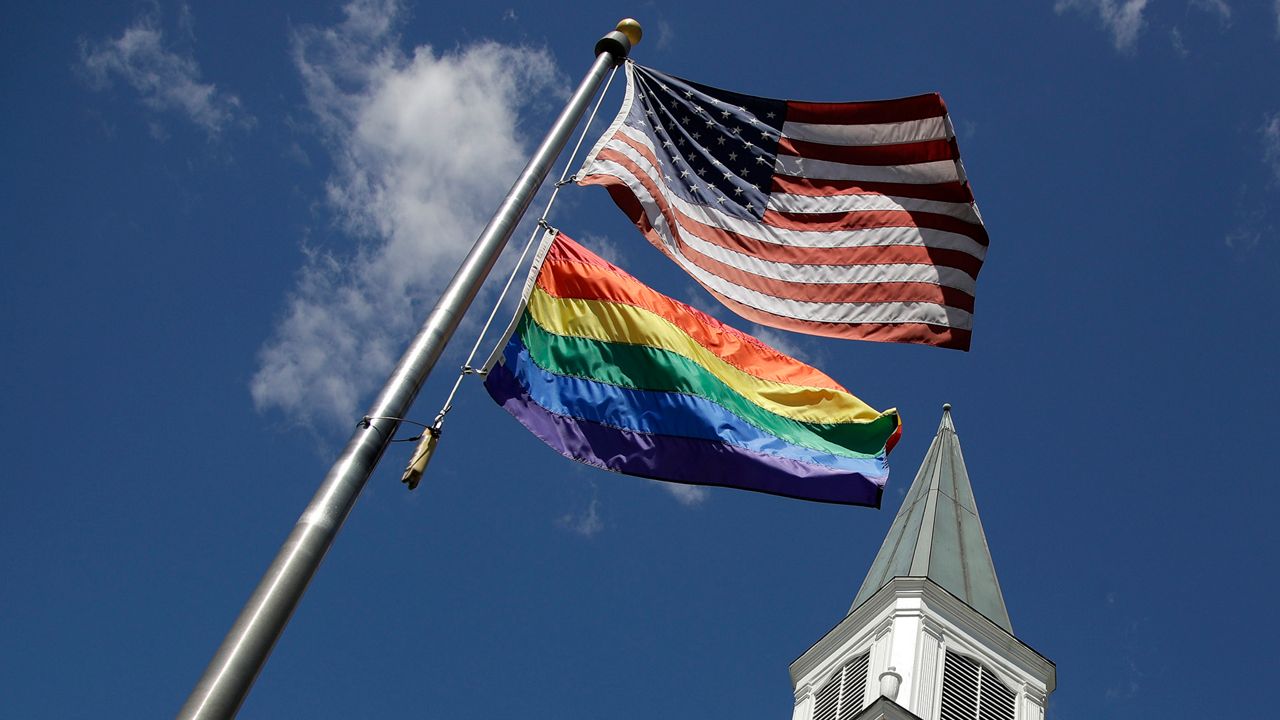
point(716, 148)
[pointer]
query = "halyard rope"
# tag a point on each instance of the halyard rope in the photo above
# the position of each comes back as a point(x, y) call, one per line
point(541, 227)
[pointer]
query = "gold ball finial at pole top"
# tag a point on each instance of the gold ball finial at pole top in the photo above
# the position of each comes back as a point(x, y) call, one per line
point(632, 30)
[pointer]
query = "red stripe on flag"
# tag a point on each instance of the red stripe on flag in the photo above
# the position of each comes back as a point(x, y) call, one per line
point(881, 332)
point(943, 192)
point(881, 292)
point(918, 107)
point(874, 219)
point(900, 154)
point(636, 145)
point(919, 333)
point(634, 209)
point(800, 255)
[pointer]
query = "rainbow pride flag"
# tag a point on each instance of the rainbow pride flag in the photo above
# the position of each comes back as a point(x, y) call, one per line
point(613, 374)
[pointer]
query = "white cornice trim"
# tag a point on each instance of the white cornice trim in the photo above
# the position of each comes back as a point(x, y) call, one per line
point(865, 620)
point(943, 613)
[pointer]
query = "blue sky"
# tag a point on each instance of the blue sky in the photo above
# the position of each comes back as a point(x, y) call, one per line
point(224, 220)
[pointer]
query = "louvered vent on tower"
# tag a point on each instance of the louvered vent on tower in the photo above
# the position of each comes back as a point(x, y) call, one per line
point(841, 698)
point(970, 691)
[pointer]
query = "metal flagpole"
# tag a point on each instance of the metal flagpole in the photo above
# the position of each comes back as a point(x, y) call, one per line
point(230, 674)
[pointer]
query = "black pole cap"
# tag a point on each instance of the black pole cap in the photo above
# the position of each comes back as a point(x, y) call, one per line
point(619, 42)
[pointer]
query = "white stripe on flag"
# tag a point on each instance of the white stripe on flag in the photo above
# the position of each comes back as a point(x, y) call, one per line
point(834, 274)
point(869, 237)
point(889, 313)
point(938, 171)
point(878, 312)
point(865, 202)
point(825, 274)
point(934, 128)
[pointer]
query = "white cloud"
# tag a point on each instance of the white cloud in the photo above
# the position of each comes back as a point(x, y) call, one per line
point(1243, 237)
point(1124, 690)
point(687, 495)
point(605, 248)
point(787, 343)
point(423, 147)
point(666, 34)
point(587, 524)
point(1175, 37)
point(1122, 18)
point(1253, 211)
point(1215, 7)
point(165, 79)
point(1271, 144)
point(186, 20)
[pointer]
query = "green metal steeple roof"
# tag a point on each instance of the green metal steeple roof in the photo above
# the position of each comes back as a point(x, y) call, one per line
point(937, 534)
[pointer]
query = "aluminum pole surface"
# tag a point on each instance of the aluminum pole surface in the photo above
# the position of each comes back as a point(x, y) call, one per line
point(230, 674)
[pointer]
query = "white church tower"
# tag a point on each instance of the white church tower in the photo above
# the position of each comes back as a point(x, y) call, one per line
point(928, 636)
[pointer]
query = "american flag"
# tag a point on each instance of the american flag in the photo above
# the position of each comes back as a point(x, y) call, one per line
point(851, 220)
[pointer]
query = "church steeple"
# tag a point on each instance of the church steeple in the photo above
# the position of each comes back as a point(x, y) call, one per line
point(937, 534)
point(928, 636)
